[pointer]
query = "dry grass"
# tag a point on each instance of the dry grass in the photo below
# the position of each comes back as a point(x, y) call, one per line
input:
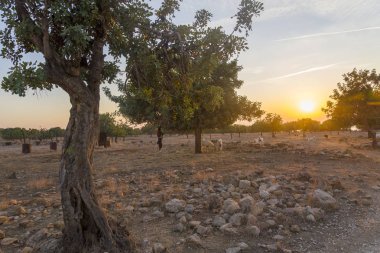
point(4, 205)
point(41, 183)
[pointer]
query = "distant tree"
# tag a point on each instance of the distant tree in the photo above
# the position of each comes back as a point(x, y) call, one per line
point(273, 122)
point(290, 126)
point(308, 124)
point(191, 74)
point(16, 133)
point(260, 126)
point(356, 100)
point(56, 132)
point(330, 125)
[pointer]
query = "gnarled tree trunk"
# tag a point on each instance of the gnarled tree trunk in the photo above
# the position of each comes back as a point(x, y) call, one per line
point(86, 226)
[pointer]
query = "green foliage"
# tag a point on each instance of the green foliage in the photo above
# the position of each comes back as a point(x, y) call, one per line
point(273, 122)
point(67, 34)
point(186, 76)
point(13, 133)
point(356, 101)
point(308, 124)
point(108, 124)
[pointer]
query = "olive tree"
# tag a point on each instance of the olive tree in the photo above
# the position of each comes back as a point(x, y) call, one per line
point(73, 38)
point(190, 73)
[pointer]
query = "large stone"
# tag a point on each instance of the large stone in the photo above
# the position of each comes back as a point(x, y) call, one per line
point(228, 228)
point(264, 194)
point(195, 240)
point(27, 250)
point(324, 200)
point(202, 230)
point(244, 184)
point(238, 219)
point(230, 206)
point(218, 221)
point(214, 201)
point(8, 241)
point(233, 250)
point(254, 231)
point(273, 188)
point(175, 206)
point(158, 248)
point(246, 204)
point(259, 208)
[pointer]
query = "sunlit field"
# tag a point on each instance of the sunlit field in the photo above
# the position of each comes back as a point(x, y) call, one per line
point(136, 184)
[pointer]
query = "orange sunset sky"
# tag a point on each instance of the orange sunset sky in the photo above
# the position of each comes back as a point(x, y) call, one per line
point(298, 52)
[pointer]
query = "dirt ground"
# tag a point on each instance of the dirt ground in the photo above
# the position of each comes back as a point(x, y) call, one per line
point(135, 182)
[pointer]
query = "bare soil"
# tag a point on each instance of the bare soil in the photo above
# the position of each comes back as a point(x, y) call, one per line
point(134, 181)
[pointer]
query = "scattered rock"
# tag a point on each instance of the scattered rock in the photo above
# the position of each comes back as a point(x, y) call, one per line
point(295, 229)
point(310, 218)
point(175, 206)
point(254, 230)
point(246, 204)
point(228, 228)
point(8, 241)
point(3, 219)
point(264, 194)
point(189, 208)
point(238, 219)
point(2, 234)
point(202, 230)
point(323, 199)
point(251, 219)
point(27, 250)
point(230, 206)
point(258, 208)
point(244, 184)
point(214, 201)
point(218, 221)
point(195, 240)
point(194, 223)
point(273, 188)
point(243, 245)
point(179, 228)
point(158, 248)
point(278, 237)
point(233, 250)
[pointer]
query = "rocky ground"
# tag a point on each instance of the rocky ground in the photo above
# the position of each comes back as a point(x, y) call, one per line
point(289, 195)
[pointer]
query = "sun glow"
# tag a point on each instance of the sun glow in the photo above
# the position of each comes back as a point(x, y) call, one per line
point(307, 106)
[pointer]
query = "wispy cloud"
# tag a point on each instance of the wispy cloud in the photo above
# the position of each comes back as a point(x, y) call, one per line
point(301, 72)
point(329, 33)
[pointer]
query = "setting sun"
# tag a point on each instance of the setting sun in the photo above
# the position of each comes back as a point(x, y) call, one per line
point(307, 106)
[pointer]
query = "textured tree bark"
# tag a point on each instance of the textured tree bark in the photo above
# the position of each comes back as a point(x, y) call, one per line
point(198, 140)
point(86, 226)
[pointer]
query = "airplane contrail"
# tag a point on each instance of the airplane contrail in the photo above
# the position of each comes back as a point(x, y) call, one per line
point(301, 72)
point(329, 33)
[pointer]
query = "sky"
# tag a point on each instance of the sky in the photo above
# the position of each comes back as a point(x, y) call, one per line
point(298, 51)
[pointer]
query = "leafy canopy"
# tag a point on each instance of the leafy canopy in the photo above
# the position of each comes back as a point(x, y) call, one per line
point(355, 101)
point(71, 36)
point(186, 76)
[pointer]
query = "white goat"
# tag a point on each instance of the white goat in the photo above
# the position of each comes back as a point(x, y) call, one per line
point(207, 145)
point(218, 144)
point(214, 145)
point(259, 140)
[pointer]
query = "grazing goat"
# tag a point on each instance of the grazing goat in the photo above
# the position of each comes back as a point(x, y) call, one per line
point(218, 144)
point(259, 140)
point(214, 145)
